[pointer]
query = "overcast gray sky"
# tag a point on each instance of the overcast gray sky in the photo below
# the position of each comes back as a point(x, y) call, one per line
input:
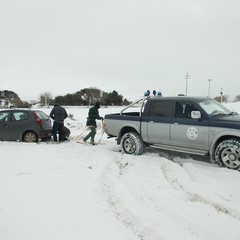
point(62, 46)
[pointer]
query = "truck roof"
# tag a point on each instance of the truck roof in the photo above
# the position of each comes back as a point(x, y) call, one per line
point(182, 98)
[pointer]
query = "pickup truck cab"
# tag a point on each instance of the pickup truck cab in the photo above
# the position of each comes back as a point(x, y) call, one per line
point(195, 125)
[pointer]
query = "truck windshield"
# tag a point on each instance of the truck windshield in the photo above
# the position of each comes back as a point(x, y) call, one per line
point(214, 108)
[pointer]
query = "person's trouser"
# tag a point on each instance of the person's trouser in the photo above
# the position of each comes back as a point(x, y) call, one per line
point(91, 134)
point(57, 128)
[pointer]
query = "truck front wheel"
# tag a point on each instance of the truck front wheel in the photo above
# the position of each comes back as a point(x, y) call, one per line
point(131, 143)
point(227, 154)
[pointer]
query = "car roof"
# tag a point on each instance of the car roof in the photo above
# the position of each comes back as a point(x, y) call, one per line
point(16, 109)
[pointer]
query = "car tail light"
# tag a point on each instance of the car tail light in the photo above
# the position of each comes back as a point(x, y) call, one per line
point(38, 120)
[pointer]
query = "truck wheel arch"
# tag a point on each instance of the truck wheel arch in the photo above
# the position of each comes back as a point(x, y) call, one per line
point(125, 130)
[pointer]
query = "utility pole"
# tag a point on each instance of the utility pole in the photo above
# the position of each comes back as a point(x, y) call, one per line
point(46, 99)
point(187, 76)
point(209, 80)
point(221, 93)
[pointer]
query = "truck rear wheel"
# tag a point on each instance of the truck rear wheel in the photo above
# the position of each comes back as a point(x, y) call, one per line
point(131, 143)
point(227, 154)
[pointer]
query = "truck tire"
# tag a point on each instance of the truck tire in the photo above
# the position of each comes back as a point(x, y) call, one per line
point(131, 143)
point(227, 154)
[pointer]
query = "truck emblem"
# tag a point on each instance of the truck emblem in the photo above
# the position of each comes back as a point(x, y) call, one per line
point(192, 133)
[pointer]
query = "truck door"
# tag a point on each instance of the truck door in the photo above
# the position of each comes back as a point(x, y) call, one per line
point(186, 131)
point(157, 124)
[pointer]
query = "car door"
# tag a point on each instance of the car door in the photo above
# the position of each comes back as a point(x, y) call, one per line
point(18, 124)
point(187, 132)
point(158, 124)
point(4, 125)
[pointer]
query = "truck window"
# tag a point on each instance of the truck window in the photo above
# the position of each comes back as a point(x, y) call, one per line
point(179, 110)
point(160, 109)
point(184, 109)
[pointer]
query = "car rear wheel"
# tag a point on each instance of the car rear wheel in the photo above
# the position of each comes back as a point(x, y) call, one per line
point(30, 137)
point(131, 143)
point(227, 154)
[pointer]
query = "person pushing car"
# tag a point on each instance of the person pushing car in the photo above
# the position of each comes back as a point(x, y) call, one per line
point(58, 114)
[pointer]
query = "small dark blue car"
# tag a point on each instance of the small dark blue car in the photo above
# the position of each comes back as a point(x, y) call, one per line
point(24, 125)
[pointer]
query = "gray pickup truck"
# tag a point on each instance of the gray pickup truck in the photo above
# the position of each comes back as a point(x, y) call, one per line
point(194, 125)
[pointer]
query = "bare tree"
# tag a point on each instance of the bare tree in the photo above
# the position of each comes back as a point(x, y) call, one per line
point(237, 98)
point(223, 98)
point(91, 95)
point(45, 98)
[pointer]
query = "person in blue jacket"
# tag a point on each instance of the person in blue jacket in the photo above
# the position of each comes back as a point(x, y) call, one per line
point(93, 114)
point(58, 114)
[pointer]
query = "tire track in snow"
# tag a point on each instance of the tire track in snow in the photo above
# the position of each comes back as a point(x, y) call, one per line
point(149, 211)
point(194, 196)
point(108, 182)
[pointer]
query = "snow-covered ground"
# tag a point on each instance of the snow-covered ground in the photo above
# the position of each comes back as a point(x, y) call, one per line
point(71, 191)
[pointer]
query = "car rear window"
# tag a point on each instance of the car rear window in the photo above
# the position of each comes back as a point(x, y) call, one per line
point(42, 115)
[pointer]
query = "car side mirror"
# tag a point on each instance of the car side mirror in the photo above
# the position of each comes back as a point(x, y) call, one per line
point(196, 114)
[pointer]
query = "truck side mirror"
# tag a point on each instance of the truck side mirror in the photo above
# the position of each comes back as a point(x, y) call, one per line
point(196, 114)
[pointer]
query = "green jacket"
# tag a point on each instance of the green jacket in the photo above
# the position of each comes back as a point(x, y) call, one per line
point(93, 114)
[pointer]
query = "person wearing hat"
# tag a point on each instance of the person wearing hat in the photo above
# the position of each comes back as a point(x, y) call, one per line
point(93, 114)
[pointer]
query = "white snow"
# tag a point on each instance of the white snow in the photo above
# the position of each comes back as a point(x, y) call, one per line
point(72, 191)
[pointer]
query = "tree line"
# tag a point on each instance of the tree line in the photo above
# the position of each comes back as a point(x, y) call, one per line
point(86, 96)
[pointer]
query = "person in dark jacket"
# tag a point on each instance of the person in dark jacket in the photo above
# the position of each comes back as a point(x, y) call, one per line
point(93, 114)
point(58, 114)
